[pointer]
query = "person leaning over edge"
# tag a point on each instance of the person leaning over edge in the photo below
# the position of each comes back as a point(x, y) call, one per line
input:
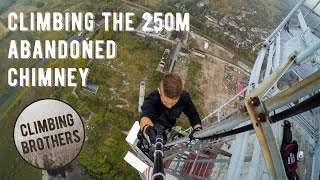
point(165, 105)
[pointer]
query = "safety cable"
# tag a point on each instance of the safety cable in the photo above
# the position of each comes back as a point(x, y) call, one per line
point(306, 105)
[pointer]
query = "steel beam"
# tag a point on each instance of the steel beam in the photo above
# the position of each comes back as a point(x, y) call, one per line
point(238, 156)
point(256, 71)
point(269, 63)
point(142, 156)
point(294, 93)
point(302, 22)
point(316, 164)
point(311, 10)
point(318, 25)
point(171, 156)
point(256, 156)
point(188, 177)
point(236, 119)
point(310, 103)
point(247, 159)
point(229, 123)
point(274, 77)
point(218, 150)
point(277, 56)
point(316, 157)
point(193, 163)
point(285, 20)
point(266, 139)
point(307, 52)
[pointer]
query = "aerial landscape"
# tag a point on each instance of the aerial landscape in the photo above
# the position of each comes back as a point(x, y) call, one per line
point(214, 60)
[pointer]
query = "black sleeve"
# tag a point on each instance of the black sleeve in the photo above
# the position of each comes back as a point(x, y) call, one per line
point(190, 110)
point(149, 108)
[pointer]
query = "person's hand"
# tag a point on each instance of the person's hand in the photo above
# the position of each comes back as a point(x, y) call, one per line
point(151, 134)
point(193, 131)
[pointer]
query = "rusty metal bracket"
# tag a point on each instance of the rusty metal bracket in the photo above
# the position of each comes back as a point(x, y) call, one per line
point(266, 138)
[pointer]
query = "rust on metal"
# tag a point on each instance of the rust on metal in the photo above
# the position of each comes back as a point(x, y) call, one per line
point(255, 101)
point(262, 139)
point(262, 117)
point(295, 92)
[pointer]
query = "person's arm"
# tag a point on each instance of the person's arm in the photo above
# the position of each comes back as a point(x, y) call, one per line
point(197, 126)
point(144, 123)
point(149, 113)
point(191, 112)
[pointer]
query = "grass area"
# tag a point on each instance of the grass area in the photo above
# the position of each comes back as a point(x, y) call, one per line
point(17, 8)
point(114, 107)
point(51, 6)
point(192, 86)
point(54, 35)
point(15, 167)
point(3, 30)
point(8, 63)
point(151, 3)
point(12, 166)
point(268, 14)
point(103, 153)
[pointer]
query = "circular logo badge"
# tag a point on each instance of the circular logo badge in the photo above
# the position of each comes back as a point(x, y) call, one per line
point(49, 134)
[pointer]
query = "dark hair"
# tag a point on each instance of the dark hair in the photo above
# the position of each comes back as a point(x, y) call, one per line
point(172, 85)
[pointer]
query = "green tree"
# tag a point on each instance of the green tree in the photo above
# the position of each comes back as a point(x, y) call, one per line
point(192, 43)
point(71, 99)
point(83, 109)
point(26, 2)
point(154, 80)
point(88, 6)
point(5, 4)
point(81, 63)
point(39, 4)
point(57, 93)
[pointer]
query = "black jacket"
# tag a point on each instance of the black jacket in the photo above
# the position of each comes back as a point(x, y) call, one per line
point(158, 113)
